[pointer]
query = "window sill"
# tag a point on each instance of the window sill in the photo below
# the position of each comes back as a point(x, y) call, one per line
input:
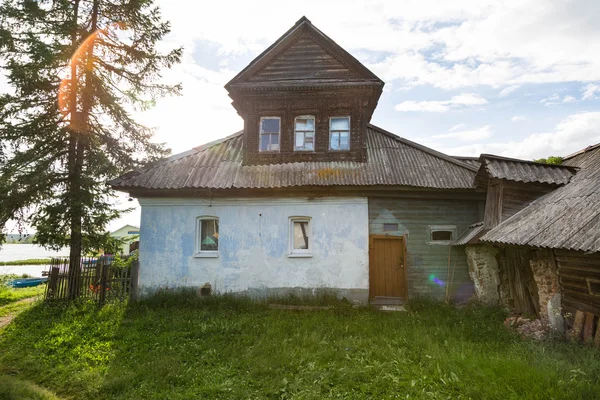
point(212, 254)
point(300, 255)
point(441, 243)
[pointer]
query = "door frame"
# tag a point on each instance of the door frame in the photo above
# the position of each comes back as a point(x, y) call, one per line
point(386, 236)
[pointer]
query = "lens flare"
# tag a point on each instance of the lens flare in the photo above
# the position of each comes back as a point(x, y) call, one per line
point(432, 278)
point(81, 62)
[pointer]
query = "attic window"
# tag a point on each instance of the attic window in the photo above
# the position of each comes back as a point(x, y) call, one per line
point(339, 133)
point(304, 132)
point(441, 234)
point(269, 133)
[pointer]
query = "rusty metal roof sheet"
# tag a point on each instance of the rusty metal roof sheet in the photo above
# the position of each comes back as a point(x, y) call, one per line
point(567, 218)
point(525, 171)
point(392, 160)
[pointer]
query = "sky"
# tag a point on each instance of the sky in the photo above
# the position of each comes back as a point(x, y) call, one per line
point(513, 78)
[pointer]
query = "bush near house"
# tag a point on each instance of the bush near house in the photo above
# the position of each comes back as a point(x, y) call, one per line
point(181, 347)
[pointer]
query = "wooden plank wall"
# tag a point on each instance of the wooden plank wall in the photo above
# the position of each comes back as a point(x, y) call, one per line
point(493, 205)
point(426, 260)
point(574, 267)
point(516, 196)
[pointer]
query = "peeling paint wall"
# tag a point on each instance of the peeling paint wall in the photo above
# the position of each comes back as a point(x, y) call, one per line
point(253, 245)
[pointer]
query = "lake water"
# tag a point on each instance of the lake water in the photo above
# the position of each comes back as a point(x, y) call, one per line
point(15, 252)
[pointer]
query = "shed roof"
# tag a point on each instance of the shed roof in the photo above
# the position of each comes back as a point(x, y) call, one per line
point(526, 171)
point(567, 218)
point(391, 160)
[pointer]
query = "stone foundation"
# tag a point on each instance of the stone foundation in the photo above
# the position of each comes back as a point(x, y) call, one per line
point(545, 274)
point(484, 271)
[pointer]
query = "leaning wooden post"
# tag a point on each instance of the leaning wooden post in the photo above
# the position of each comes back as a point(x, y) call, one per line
point(51, 290)
point(134, 277)
point(103, 280)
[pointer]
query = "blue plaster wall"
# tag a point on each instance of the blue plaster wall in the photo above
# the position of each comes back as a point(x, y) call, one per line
point(253, 244)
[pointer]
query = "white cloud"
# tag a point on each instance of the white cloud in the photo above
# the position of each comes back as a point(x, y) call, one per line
point(508, 90)
point(467, 135)
point(457, 127)
point(550, 101)
point(518, 118)
point(456, 102)
point(590, 91)
point(569, 99)
point(573, 133)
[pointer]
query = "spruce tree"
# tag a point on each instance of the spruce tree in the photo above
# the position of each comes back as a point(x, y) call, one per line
point(77, 70)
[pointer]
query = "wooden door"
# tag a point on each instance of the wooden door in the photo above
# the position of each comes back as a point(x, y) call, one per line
point(387, 266)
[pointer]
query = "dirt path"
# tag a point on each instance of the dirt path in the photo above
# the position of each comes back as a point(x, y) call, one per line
point(7, 319)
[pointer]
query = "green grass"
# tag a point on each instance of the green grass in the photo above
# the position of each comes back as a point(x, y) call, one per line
point(181, 347)
point(31, 261)
point(10, 295)
point(14, 389)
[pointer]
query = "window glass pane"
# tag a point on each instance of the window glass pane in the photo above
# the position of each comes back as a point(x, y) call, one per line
point(299, 140)
point(308, 141)
point(344, 142)
point(300, 235)
point(269, 125)
point(209, 235)
point(275, 139)
point(305, 124)
point(335, 140)
point(441, 235)
point(264, 142)
point(340, 124)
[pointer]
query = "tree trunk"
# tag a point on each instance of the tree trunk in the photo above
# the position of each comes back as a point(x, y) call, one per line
point(74, 172)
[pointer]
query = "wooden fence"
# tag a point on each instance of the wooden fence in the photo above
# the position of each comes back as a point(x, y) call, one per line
point(97, 278)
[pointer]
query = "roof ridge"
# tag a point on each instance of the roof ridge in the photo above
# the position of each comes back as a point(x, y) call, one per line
point(424, 148)
point(484, 155)
point(585, 150)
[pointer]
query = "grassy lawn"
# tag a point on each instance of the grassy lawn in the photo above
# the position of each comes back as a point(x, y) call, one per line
point(10, 295)
point(179, 347)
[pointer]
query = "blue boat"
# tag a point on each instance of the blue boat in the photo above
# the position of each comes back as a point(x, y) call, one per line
point(27, 282)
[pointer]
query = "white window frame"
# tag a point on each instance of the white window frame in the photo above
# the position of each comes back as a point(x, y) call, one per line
point(349, 132)
point(293, 253)
point(260, 134)
point(205, 253)
point(437, 228)
point(314, 132)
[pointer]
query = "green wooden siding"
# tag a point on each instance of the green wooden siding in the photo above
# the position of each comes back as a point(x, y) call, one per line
point(428, 263)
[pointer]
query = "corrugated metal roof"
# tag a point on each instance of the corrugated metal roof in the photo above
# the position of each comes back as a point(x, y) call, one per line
point(526, 171)
point(567, 218)
point(474, 161)
point(471, 235)
point(392, 160)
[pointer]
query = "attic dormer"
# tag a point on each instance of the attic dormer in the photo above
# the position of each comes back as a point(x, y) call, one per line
point(305, 99)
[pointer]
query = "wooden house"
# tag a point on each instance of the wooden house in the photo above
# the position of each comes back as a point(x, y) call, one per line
point(309, 195)
point(538, 249)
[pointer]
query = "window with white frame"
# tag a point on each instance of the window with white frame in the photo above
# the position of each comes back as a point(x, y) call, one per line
point(441, 234)
point(270, 128)
point(339, 133)
point(207, 236)
point(304, 133)
point(300, 237)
